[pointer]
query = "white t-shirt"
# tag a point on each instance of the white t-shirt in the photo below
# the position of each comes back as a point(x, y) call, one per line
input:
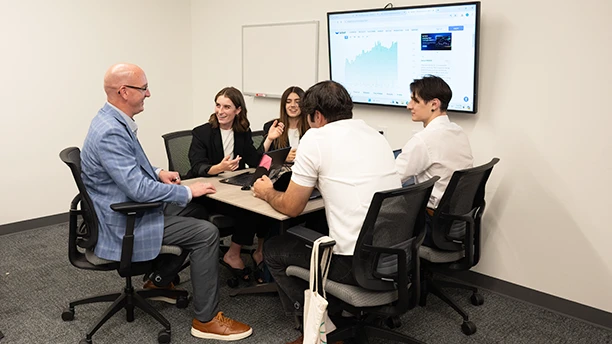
point(438, 150)
point(348, 161)
point(294, 137)
point(227, 138)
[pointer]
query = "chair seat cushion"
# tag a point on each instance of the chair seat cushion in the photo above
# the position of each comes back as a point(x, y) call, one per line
point(221, 221)
point(439, 256)
point(350, 294)
point(165, 249)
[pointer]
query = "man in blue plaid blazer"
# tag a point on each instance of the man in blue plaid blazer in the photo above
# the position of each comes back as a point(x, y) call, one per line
point(115, 169)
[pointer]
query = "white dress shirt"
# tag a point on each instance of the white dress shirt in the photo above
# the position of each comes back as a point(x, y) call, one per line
point(438, 150)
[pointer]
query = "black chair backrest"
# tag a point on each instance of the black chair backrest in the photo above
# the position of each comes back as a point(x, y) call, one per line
point(460, 210)
point(177, 148)
point(87, 232)
point(386, 253)
point(258, 138)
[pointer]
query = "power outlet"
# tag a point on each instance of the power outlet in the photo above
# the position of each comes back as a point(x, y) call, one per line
point(382, 131)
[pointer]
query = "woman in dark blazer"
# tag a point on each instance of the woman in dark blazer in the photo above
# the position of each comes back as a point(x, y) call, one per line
point(225, 144)
point(288, 129)
point(208, 153)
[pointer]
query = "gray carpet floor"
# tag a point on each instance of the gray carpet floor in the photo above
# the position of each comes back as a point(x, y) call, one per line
point(37, 282)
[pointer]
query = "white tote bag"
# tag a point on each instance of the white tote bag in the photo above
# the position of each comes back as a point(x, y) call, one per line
point(316, 322)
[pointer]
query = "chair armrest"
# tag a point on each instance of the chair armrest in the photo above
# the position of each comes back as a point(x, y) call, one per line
point(134, 207)
point(309, 236)
point(130, 209)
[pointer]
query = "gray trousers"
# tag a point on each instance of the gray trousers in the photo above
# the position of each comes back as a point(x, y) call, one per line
point(186, 228)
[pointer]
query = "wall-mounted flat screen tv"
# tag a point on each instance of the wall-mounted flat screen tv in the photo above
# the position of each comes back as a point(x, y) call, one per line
point(377, 53)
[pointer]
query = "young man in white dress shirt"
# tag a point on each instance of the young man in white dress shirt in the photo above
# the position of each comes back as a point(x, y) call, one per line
point(441, 148)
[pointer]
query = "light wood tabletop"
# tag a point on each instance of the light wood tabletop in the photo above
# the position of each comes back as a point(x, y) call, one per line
point(234, 195)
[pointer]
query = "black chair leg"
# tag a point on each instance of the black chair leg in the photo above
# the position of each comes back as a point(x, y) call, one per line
point(93, 299)
point(384, 333)
point(433, 288)
point(361, 336)
point(342, 334)
point(146, 307)
point(449, 284)
point(118, 305)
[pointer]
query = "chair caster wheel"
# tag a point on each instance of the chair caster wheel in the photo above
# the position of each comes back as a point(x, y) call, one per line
point(163, 337)
point(85, 341)
point(68, 315)
point(233, 282)
point(468, 328)
point(182, 302)
point(176, 280)
point(477, 299)
point(393, 322)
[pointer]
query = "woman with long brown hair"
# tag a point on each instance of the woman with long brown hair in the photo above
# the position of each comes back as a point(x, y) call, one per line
point(288, 129)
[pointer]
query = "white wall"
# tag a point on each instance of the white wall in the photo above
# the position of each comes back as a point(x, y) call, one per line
point(544, 85)
point(54, 55)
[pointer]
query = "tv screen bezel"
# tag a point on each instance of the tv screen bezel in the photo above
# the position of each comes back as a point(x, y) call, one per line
point(474, 109)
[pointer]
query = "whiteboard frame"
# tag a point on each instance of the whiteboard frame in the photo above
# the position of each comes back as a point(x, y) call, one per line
point(316, 51)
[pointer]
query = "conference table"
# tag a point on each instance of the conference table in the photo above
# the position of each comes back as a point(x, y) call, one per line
point(234, 196)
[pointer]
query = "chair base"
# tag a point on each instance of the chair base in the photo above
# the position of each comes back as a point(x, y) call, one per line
point(435, 287)
point(361, 331)
point(128, 300)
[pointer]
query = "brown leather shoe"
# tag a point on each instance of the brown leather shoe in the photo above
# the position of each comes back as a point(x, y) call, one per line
point(168, 299)
point(220, 328)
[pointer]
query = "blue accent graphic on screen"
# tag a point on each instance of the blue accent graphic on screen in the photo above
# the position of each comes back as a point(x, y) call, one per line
point(376, 67)
point(436, 41)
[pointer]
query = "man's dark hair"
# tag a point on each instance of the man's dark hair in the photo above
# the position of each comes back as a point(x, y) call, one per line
point(330, 98)
point(431, 87)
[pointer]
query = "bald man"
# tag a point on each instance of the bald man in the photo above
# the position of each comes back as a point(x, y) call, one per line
point(115, 169)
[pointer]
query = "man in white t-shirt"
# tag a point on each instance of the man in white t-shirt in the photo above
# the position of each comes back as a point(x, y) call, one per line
point(348, 161)
point(438, 150)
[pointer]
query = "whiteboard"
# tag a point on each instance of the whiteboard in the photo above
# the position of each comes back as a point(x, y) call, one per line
point(276, 56)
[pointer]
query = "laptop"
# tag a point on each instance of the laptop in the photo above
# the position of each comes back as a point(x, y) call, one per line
point(282, 183)
point(270, 165)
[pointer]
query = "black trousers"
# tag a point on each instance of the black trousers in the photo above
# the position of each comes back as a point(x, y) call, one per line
point(285, 250)
point(246, 224)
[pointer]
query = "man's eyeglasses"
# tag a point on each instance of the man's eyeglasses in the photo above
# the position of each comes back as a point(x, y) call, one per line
point(143, 88)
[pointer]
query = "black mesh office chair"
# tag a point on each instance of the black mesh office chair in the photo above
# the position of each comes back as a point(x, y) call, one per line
point(177, 149)
point(385, 265)
point(455, 229)
point(258, 138)
point(82, 238)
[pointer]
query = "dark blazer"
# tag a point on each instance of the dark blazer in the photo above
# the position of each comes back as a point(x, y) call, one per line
point(207, 150)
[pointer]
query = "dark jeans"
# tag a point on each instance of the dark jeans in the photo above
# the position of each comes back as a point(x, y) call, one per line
point(285, 250)
point(246, 224)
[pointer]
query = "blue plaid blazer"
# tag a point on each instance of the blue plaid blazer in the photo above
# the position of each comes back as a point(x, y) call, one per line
point(115, 169)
